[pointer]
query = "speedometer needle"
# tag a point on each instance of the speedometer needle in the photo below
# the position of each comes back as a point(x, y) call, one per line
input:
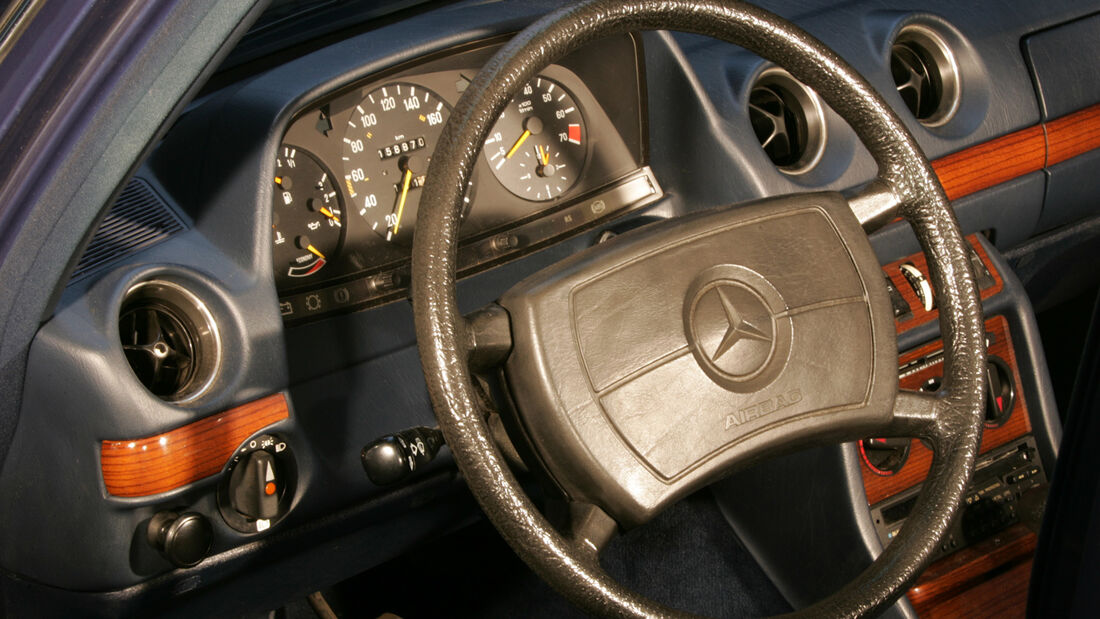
point(522, 138)
point(401, 200)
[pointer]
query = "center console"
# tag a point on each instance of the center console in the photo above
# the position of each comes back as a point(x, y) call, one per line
point(982, 566)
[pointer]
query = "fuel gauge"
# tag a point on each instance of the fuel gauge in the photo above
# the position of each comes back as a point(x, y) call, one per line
point(306, 216)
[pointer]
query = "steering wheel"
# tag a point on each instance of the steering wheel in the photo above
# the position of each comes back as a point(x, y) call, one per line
point(645, 367)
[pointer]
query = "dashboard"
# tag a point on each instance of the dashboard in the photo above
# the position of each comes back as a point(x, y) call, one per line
point(231, 329)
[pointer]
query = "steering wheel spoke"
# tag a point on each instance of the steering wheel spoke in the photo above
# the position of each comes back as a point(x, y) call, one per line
point(589, 527)
point(875, 204)
point(915, 414)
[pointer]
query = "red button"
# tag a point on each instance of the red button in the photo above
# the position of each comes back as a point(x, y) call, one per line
point(269, 488)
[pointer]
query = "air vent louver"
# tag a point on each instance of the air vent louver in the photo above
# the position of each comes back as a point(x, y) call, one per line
point(779, 124)
point(787, 120)
point(138, 219)
point(925, 75)
point(169, 339)
point(159, 347)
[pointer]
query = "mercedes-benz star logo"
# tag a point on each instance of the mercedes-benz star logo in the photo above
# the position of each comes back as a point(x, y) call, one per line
point(738, 328)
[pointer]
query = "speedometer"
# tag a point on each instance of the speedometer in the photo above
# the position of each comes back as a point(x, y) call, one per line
point(387, 148)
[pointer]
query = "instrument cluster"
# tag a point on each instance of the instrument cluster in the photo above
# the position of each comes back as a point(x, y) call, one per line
point(567, 152)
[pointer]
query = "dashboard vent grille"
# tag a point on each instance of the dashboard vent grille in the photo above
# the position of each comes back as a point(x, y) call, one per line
point(138, 219)
point(787, 120)
point(170, 340)
point(925, 75)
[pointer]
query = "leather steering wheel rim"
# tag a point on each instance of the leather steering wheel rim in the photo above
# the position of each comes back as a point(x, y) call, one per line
point(955, 422)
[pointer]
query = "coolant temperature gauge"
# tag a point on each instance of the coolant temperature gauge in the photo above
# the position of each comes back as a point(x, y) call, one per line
point(537, 148)
point(306, 216)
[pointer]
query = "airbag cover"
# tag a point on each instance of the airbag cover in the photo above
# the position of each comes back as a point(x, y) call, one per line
point(650, 363)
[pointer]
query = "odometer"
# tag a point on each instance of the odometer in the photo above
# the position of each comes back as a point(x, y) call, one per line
point(387, 148)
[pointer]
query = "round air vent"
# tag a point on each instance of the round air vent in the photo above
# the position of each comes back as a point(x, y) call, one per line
point(170, 340)
point(925, 74)
point(787, 119)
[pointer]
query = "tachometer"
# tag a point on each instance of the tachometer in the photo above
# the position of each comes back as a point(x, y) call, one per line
point(387, 148)
point(306, 215)
point(536, 148)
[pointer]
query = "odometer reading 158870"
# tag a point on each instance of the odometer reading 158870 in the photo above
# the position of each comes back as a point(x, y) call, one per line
point(387, 147)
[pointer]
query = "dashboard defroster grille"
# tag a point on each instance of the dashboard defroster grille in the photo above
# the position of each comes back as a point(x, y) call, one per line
point(138, 219)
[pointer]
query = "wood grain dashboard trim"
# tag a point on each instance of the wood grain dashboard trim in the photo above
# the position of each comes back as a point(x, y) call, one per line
point(1072, 135)
point(156, 464)
point(915, 470)
point(991, 163)
point(989, 579)
point(1022, 152)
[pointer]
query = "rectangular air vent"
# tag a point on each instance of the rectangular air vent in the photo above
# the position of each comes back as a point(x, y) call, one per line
point(138, 219)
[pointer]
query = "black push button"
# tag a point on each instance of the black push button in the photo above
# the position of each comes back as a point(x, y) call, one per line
point(183, 539)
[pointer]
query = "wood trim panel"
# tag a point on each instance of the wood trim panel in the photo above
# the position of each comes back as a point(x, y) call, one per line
point(1073, 134)
point(1022, 152)
point(919, 315)
point(155, 464)
point(879, 487)
point(974, 582)
point(1003, 596)
point(991, 163)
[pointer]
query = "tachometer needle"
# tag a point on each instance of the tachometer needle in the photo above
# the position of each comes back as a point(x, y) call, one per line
point(313, 250)
point(522, 138)
point(328, 213)
point(401, 200)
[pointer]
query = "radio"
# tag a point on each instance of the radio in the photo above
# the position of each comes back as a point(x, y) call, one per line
point(992, 500)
